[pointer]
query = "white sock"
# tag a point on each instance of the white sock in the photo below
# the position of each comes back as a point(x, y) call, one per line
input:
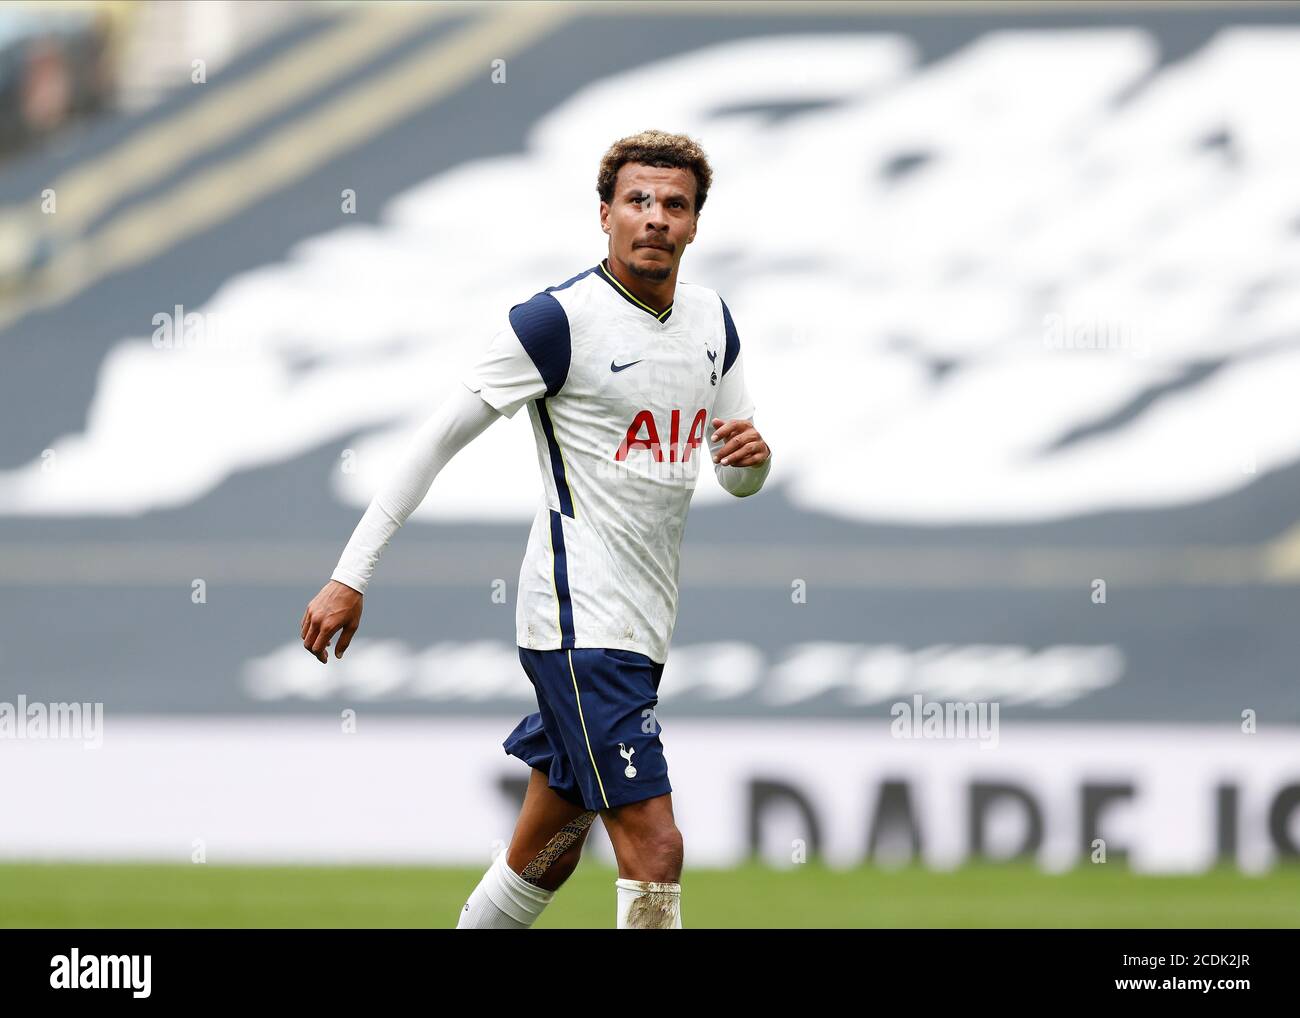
point(644, 905)
point(503, 900)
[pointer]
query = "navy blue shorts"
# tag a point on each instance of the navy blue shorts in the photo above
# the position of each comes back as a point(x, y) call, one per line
point(595, 734)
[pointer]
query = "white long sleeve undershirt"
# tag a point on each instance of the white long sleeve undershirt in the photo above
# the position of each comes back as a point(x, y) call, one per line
point(458, 421)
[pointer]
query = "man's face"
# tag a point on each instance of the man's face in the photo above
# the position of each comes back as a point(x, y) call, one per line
point(651, 218)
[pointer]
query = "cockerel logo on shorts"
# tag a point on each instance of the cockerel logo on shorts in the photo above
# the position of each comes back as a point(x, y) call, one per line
point(626, 754)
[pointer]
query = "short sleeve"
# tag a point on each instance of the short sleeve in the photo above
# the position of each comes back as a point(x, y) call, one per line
point(526, 359)
point(733, 402)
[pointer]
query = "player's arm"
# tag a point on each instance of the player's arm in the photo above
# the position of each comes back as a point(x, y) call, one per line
point(458, 421)
point(741, 457)
point(525, 359)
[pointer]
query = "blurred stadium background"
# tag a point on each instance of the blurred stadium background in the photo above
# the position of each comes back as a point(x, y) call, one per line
point(1018, 284)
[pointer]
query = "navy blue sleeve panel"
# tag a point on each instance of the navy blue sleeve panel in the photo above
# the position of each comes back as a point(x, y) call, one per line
point(543, 329)
point(733, 340)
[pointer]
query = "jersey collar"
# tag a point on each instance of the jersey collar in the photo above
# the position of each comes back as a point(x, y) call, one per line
point(602, 270)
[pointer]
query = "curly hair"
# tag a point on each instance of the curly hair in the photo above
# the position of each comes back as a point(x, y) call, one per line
point(655, 148)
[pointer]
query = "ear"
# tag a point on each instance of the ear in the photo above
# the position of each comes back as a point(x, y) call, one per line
point(604, 216)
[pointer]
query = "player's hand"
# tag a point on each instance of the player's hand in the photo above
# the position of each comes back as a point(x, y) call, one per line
point(336, 607)
point(744, 445)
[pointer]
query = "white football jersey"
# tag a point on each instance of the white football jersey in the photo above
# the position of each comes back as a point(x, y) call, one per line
point(622, 400)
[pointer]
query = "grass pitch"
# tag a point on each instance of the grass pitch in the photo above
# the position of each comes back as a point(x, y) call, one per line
point(147, 895)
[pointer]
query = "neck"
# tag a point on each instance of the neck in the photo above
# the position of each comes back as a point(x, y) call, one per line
point(656, 293)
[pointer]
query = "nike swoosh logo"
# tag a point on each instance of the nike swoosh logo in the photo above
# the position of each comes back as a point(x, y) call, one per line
point(621, 367)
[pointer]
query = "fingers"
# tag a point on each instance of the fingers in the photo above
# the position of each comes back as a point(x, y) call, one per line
point(726, 455)
point(320, 645)
point(309, 639)
point(317, 638)
point(751, 455)
point(345, 638)
point(725, 429)
point(742, 445)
